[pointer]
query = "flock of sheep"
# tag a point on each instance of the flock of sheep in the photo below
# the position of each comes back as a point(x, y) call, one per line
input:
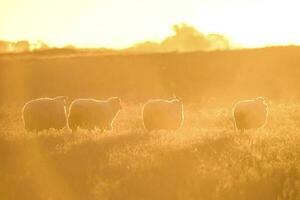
point(46, 113)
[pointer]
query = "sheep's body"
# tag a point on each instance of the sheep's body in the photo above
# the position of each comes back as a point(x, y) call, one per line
point(163, 114)
point(91, 113)
point(250, 114)
point(44, 113)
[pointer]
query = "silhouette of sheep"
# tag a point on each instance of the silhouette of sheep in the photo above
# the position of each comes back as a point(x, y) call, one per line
point(45, 113)
point(91, 113)
point(159, 114)
point(250, 114)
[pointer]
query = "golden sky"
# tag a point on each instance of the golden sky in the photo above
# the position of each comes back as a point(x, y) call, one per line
point(120, 23)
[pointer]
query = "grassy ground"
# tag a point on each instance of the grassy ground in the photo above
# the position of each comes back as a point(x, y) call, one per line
point(205, 160)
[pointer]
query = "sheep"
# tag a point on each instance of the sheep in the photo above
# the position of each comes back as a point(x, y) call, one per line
point(45, 113)
point(91, 113)
point(161, 114)
point(250, 114)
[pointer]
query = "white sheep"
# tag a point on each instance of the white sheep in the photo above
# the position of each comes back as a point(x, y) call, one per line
point(250, 114)
point(91, 113)
point(161, 114)
point(45, 113)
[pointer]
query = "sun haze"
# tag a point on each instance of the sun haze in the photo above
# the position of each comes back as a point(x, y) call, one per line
point(149, 100)
point(120, 24)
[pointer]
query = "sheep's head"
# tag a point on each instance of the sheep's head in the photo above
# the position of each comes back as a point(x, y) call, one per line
point(262, 100)
point(262, 103)
point(176, 101)
point(62, 99)
point(178, 104)
point(115, 102)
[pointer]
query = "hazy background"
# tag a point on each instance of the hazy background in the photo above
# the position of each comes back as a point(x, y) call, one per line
point(120, 24)
point(184, 38)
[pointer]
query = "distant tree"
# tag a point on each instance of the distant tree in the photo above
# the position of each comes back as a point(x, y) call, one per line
point(146, 47)
point(186, 38)
point(69, 46)
point(22, 46)
point(4, 46)
point(218, 41)
point(40, 45)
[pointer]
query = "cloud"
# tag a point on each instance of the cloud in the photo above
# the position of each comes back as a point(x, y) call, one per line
point(185, 38)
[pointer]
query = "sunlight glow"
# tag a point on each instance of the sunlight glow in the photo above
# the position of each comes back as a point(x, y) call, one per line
point(119, 24)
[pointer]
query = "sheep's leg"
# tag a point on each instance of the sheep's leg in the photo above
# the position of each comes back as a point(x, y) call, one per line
point(34, 131)
point(73, 130)
point(235, 127)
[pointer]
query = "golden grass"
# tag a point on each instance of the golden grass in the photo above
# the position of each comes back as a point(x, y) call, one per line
point(219, 77)
point(206, 159)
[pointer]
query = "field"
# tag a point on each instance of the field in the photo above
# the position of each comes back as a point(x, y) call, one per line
point(206, 159)
point(219, 77)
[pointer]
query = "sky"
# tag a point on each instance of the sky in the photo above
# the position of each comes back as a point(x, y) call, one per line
point(121, 23)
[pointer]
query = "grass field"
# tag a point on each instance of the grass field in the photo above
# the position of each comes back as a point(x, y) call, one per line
point(205, 160)
point(90, 60)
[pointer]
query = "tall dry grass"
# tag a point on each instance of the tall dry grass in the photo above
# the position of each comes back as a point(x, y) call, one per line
point(205, 160)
